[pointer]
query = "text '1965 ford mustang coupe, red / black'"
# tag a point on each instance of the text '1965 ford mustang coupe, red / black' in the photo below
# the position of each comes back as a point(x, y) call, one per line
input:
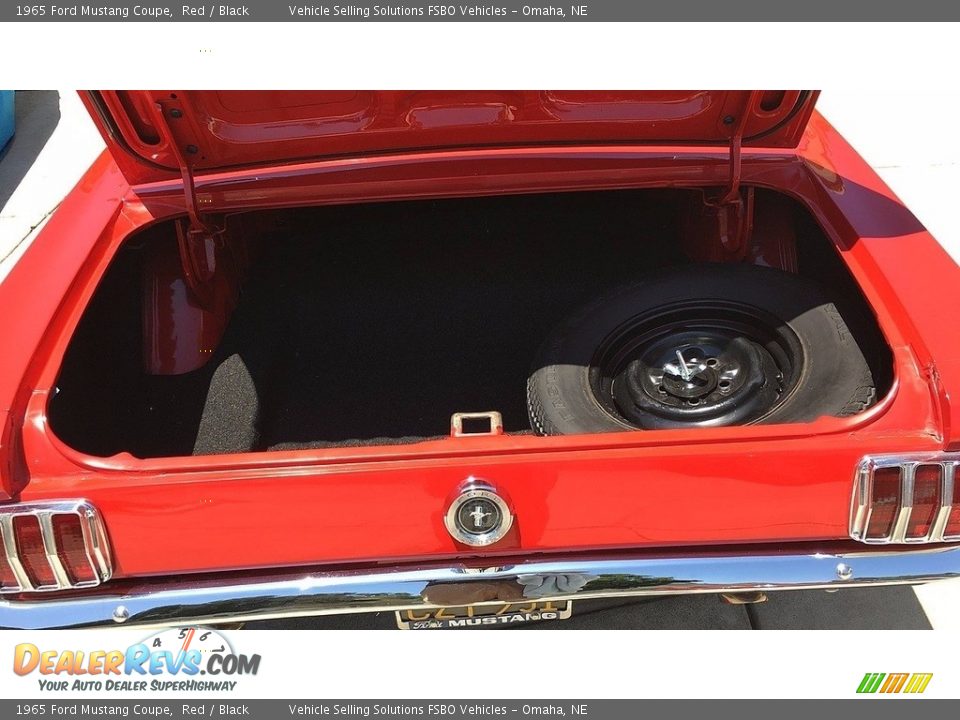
point(469, 356)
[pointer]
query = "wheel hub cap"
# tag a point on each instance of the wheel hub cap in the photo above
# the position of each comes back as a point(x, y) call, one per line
point(696, 366)
point(688, 377)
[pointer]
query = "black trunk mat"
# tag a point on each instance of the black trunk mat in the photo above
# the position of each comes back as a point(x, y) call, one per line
point(390, 318)
point(372, 324)
point(362, 324)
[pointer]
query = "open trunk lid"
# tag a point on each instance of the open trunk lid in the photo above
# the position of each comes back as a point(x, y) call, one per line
point(157, 134)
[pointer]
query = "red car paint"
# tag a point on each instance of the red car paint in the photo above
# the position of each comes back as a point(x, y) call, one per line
point(232, 129)
point(704, 487)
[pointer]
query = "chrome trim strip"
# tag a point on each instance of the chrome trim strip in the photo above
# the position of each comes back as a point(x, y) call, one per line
point(908, 472)
point(860, 517)
point(50, 549)
point(96, 544)
point(949, 482)
point(95, 539)
point(210, 600)
point(946, 496)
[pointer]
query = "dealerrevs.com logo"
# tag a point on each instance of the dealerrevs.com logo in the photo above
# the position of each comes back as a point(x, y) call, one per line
point(179, 659)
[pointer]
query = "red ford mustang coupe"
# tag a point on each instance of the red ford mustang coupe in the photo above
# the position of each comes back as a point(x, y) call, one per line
point(470, 357)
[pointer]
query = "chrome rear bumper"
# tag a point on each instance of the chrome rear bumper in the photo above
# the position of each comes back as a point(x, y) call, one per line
point(211, 600)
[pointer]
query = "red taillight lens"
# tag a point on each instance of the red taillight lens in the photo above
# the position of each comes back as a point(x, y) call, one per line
point(926, 500)
point(72, 549)
point(33, 556)
point(7, 578)
point(884, 503)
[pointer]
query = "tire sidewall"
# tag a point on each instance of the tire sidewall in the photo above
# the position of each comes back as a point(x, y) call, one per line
point(833, 372)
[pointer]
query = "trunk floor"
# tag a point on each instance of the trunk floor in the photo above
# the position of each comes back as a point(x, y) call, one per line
point(373, 324)
point(382, 325)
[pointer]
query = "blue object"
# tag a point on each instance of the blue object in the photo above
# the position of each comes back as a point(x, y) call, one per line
point(6, 117)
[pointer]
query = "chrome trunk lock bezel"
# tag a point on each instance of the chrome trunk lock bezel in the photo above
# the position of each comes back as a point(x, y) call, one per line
point(473, 490)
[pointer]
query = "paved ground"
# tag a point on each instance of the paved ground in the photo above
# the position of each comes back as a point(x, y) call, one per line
point(854, 609)
point(55, 142)
point(909, 138)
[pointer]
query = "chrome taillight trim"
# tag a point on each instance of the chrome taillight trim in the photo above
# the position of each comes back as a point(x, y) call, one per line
point(949, 478)
point(908, 464)
point(94, 540)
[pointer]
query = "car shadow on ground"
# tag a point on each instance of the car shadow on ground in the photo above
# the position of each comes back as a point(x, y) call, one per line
point(892, 608)
point(37, 116)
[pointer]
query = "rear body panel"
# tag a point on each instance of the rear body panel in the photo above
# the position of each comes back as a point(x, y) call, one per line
point(382, 504)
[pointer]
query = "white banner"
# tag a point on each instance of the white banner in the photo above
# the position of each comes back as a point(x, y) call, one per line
point(129, 664)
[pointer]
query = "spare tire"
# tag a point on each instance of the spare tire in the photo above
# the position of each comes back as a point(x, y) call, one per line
point(699, 346)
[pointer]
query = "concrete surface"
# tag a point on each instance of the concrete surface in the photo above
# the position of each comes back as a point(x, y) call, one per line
point(55, 142)
point(910, 138)
point(893, 608)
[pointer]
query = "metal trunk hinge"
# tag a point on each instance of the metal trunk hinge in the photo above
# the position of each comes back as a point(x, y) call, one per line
point(198, 237)
point(734, 206)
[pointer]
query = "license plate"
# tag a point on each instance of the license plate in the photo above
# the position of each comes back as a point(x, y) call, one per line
point(496, 615)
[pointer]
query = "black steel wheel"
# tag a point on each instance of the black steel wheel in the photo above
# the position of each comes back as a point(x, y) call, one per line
point(699, 346)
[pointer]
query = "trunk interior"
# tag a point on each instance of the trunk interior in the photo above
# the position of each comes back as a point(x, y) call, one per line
point(373, 324)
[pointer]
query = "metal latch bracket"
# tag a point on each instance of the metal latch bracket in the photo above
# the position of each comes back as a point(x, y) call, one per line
point(476, 423)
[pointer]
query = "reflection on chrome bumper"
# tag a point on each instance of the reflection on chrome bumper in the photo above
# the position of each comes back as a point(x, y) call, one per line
point(216, 600)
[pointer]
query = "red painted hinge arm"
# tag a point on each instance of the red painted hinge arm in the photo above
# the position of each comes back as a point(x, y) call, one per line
point(732, 195)
point(197, 222)
point(198, 241)
point(734, 212)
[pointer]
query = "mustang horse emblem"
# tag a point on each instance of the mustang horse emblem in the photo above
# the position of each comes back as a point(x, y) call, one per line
point(478, 515)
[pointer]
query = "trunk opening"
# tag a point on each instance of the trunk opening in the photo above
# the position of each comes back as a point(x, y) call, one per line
point(373, 324)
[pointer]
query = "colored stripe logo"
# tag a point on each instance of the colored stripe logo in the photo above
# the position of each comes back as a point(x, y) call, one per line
point(913, 683)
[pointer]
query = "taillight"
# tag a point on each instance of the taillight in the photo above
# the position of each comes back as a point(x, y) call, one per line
point(906, 499)
point(53, 545)
point(8, 581)
point(926, 501)
point(885, 502)
point(32, 553)
point(68, 534)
